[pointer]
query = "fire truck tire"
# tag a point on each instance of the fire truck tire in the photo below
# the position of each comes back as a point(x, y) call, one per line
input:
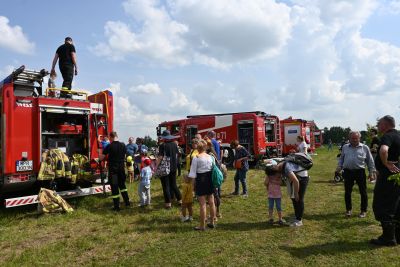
point(228, 156)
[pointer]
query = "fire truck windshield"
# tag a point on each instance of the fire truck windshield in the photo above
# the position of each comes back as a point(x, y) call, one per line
point(160, 129)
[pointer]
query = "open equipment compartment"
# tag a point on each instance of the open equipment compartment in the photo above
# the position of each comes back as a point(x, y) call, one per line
point(65, 129)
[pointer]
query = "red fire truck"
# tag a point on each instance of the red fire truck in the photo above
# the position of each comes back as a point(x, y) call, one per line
point(32, 121)
point(318, 137)
point(292, 128)
point(257, 131)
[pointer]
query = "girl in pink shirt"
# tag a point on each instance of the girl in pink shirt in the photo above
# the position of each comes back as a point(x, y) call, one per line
point(273, 184)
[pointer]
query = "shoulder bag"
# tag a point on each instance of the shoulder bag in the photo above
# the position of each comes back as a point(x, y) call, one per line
point(164, 167)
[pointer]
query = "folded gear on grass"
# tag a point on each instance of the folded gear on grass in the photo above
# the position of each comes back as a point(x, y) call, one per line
point(50, 202)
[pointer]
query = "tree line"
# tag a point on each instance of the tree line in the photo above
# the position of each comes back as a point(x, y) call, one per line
point(339, 134)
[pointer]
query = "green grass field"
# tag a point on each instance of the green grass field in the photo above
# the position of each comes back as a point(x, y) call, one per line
point(94, 235)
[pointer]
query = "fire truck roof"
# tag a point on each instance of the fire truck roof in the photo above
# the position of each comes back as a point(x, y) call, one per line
point(258, 113)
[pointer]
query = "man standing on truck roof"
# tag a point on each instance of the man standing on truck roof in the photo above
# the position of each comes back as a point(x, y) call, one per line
point(116, 152)
point(67, 64)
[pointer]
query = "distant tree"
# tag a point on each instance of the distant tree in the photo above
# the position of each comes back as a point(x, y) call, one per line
point(336, 133)
point(149, 142)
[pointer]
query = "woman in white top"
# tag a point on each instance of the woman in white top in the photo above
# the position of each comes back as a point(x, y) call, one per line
point(201, 172)
point(302, 146)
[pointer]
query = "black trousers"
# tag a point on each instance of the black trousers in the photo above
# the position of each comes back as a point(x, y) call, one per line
point(386, 202)
point(358, 176)
point(299, 205)
point(67, 72)
point(117, 178)
point(170, 189)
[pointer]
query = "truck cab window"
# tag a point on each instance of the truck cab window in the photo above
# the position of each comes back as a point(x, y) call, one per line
point(175, 129)
point(270, 131)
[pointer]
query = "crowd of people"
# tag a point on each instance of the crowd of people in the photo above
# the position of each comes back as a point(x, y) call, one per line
point(206, 154)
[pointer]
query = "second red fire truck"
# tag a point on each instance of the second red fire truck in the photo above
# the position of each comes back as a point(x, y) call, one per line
point(262, 134)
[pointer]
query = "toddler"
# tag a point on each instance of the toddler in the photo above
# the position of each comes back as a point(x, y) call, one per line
point(129, 166)
point(273, 184)
point(187, 199)
point(144, 185)
point(51, 83)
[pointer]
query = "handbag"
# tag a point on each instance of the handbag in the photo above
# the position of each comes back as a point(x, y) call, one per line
point(164, 168)
point(238, 164)
point(216, 175)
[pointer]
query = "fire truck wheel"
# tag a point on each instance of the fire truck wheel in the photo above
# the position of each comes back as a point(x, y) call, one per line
point(228, 156)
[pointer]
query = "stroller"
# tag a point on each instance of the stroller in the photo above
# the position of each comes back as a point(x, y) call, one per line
point(338, 177)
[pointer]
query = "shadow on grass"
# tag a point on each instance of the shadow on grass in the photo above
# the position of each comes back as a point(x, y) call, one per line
point(328, 249)
point(245, 226)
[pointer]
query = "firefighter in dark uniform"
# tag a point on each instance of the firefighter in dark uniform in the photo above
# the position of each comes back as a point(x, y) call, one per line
point(116, 152)
point(386, 203)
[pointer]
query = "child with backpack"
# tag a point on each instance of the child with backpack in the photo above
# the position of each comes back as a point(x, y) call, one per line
point(272, 182)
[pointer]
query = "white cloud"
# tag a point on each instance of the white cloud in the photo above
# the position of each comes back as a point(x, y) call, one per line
point(215, 33)
point(149, 88)
point(159, 37)
point(179, 102)
point(13, 38)
point(234, 31)
point(5, 71)
point(313, 62)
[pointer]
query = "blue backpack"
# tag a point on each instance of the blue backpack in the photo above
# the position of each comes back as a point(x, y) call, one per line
point(217, 175)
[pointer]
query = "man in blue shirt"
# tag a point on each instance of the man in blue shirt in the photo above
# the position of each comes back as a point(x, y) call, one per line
point(131, 148)
point(212, 135)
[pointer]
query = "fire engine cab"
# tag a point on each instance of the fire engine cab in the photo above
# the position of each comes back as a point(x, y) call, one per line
point(257, 131)
point(33, 120)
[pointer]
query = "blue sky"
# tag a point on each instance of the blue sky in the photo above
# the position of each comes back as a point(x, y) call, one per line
point(337, 62)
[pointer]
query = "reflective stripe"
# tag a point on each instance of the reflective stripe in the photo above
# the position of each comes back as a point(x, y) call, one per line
point(124, 190)
point(116, 196)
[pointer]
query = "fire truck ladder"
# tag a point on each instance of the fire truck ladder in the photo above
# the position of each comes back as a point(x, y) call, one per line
point(98, 123)
point(278, 138)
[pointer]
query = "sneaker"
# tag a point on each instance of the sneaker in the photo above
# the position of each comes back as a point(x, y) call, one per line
point(296, 223)
point(183, 218)
point(362, 214)
point(234, 194)
point(188, 219)
point(281, 222)
point(244, 195)
point(348, 213)
point(271, 221)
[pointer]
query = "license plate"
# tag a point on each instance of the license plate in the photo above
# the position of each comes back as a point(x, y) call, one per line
point(26, 165)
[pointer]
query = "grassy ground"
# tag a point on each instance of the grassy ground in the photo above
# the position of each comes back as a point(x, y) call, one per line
point(94, 235)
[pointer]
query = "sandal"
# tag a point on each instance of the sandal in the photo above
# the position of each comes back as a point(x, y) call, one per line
point(198, 228)
point(211, 225)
